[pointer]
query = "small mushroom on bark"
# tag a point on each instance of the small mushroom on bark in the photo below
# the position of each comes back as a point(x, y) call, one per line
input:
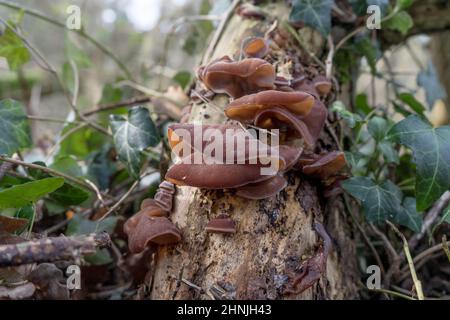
point(322, 85)
point(153, 230)
point(159, 206)
point(238, 78)
point(256, 48)
point(221, 224)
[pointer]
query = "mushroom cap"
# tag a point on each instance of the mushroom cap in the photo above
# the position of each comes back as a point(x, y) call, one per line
point(263, 189)
point(277, 118)
point(221, 224)
point(322, 85)
point(238, 78)
point(153, 230)
point(246, 108)
point(327, 165)
point(238, 145)
point(256, 48)
point(216, 176)
point(150, 208)
point(291, 155)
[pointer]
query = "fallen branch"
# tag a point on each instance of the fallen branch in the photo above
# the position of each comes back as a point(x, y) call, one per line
point(51, 249)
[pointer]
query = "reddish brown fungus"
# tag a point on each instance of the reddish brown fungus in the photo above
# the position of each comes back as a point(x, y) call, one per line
point(246, 108)
point(152, 230)
point(263, 189)
point(326, 166)
point(238, 78)
point(322, 85)
point(256, 48)
point(276, 117)
point(221, 224)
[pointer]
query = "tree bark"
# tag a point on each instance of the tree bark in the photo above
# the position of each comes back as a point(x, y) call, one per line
point(273, 235)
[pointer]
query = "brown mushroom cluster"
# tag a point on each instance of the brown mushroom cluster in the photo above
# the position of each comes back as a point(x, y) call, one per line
point(260, 98)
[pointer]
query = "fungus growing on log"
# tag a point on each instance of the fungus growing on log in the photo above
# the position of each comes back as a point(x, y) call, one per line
point(245, 109)
point(256, 48)
point(326, 165)
point(263, 189)
point(238, 78)
point(221, 224)
point(152, 230)
point(322, 85)
point(158, 207)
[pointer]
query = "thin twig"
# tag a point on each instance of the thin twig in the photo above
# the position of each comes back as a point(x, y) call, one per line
point(49, 171)
point(50, 119)
point(212, 44)
point(394, 293)
point(417, 283)
point(116, 105)
point(121, 200)
point(430, 218)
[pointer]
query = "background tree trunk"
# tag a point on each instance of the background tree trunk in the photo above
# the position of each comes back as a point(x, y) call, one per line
point(273, 235)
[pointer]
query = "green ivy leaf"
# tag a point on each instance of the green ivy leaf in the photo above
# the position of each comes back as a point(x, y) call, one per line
point(428, 80)
point(15, 132)
point(314, 13)
point(401, 22)
point(409, 217)
point(431, 150)
point(13, 49)
point(133, 135)
point(183, 78)
point(388, 151)
point(352, 119)
point(378, 127)
point(362, 104)
point(404, 4)
point(24, 194)
point(412, 102)
point(67, 194)
point(79, 225)
point(380, 201)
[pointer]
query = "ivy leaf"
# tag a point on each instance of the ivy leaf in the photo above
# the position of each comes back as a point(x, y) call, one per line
point(183, 78)
point(24, 194)
point(380, 201)
point(15, 132)
point(314, 13)
point(431, 150)
point(401, 22)
point(13, 49)
point(133, 135)
point(428, 80)
point(352, 119)
point(67, 194)
point(360, 6)
point(79, 225)
point(362, 104)
point(412, 102)
point(404, 4)
point(388, 151)
point(365, 47)
point(378, 127)
point(409, 217)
